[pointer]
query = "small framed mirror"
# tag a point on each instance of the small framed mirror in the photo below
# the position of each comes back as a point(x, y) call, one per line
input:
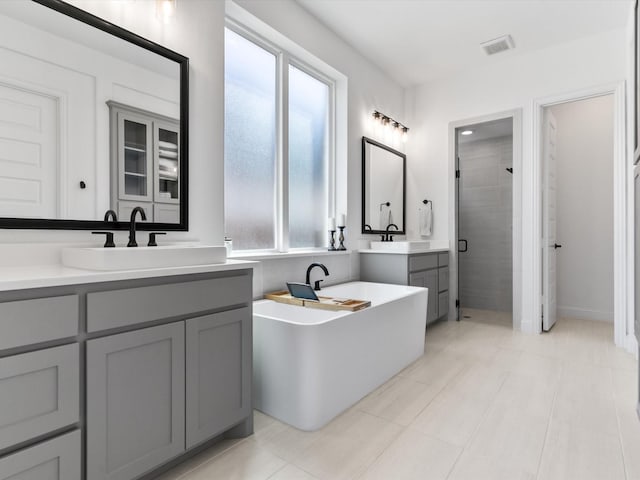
point(383, 188)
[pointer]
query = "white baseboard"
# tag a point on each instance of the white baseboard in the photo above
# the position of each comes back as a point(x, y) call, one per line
point(575, 312)
point(631, 345)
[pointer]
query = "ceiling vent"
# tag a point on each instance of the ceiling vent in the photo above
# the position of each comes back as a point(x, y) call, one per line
point(498, 45)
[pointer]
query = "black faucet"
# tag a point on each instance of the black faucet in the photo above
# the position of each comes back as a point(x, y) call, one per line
point(132, 226)
point(388, 237)
point(317, 283)
point(110, 214)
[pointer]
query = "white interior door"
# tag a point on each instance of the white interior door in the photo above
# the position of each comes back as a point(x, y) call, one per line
point(28, 154)
point(549, 219)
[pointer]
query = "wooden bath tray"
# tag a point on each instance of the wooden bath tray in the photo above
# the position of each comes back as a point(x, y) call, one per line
point(324, 303)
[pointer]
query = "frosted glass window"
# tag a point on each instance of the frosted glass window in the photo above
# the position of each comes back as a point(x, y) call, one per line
point(308, 128)
point(250, 143)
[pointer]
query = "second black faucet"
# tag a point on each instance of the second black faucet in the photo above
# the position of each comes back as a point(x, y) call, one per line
point(317, 283)
point(132, 226)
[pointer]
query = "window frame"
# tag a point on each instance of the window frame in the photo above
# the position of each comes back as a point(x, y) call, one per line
point(283, 59)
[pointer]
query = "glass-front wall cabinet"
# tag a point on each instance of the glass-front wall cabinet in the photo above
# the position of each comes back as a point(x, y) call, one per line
point(145, 164)
point(135, 171)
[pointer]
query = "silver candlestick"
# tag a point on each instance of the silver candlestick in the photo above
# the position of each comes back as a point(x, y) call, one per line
point(341, 239)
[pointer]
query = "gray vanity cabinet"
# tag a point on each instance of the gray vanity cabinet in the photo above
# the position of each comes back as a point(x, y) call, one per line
point(57, 459)
point(40, 393)
point(218, 370)
point(429, 270)
point(135, 401)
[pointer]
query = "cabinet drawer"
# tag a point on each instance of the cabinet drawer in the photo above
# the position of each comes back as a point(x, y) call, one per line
point(56, 459)
point(39, 393)
point(443, 259)
point(26, 322)
point(422, 262)
point(443, 279)
point(119, 308)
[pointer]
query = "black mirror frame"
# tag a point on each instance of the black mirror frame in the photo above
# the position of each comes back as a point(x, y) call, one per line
point(365, 141)
point(183, 62)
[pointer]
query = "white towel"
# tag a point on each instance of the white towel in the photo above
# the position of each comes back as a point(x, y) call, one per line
point(167, 153)
point(386, 217)
point(167, 145)
point(426, 220)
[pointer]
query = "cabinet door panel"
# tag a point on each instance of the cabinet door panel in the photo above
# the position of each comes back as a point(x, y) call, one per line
point(384, 268)
point(164, 213)
point(39, 393)
point(135, 401)
point(218, 372)
point(56, 459)
point(428, 279)
point(443, 279)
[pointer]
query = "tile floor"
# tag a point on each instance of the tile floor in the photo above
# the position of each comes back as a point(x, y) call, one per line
point(483, 403)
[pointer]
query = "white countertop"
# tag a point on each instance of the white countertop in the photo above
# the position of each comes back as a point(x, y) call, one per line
point(393, 252)
point(38, 276)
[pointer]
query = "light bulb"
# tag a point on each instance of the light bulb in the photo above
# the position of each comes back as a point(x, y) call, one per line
point(405, 134)
point(165, 10)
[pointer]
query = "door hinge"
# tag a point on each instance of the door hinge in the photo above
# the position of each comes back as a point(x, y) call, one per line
point(542, 311)
point(457, 303)
point(457, 173)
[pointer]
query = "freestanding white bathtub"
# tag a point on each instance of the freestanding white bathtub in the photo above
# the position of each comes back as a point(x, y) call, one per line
point(309, 365)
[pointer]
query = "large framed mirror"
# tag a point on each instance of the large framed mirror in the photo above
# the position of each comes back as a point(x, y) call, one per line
point(92, 117)
point(383, 188)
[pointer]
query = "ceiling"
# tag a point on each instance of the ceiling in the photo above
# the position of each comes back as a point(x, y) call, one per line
point(486, 130)
point(416, 41)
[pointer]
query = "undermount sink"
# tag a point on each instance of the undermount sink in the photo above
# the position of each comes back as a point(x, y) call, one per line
point(131, 258)
point(406, 246)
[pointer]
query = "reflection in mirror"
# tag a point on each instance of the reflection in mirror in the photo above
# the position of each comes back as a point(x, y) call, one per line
point(383, 188)
point(92, 118)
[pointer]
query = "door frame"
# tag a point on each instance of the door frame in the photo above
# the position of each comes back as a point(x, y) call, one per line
point(623, 332)
point(516, 207)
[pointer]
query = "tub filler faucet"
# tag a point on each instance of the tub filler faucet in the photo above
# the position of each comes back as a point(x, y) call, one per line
point(317, 282)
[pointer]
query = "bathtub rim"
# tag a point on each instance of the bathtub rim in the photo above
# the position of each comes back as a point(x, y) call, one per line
point(329, 315)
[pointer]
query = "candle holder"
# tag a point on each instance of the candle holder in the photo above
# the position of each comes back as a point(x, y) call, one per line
point(341, 239)
point(332, 241)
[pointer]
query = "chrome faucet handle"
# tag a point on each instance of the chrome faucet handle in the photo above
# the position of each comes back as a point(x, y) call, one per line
point(109, 243)
point(152, 238)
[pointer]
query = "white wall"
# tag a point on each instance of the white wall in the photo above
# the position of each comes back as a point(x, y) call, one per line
point(514, 83)
point(584, 151)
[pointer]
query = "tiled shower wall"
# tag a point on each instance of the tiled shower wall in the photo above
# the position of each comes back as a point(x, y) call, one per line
point(485, 221)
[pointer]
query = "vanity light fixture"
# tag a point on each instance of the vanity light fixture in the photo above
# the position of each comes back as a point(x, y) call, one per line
point(165, 10)
point(389, 126)
point(466, 132)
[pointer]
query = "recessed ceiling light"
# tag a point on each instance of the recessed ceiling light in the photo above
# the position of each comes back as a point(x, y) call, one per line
point(466, 132)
